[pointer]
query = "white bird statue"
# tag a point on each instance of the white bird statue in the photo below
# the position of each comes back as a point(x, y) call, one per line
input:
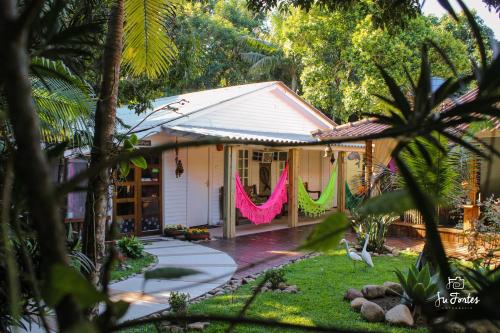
point(365, 255)
point(351, 254)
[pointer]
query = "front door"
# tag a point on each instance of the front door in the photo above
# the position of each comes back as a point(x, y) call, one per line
point(197, 196)
point(137, 200)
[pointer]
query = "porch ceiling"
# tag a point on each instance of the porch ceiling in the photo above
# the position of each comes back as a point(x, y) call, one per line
point(197, 133)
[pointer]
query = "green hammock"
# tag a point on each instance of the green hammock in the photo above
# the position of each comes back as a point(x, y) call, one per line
point(351, 201)
point(316, 207)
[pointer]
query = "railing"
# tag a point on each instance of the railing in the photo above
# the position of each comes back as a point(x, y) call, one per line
point(414, 217)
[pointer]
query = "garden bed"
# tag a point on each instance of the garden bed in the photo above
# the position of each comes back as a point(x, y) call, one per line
point(322, 282)
point(132, 266)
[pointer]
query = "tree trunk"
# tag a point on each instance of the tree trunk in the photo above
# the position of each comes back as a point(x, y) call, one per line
point(94, 231)
point(295, 80)
point(32, 167)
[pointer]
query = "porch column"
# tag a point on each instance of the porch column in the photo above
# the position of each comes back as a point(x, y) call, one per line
point(341, 178)
point(471, 211)
point(293, 178)
point(368, 163)
point(229, 226)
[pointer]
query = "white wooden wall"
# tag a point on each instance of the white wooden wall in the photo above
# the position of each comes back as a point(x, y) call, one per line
point(179, 195)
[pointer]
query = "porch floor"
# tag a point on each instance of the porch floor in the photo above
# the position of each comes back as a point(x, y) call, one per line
point(276, 224)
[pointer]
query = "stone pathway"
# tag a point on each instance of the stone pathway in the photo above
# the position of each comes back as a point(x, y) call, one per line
point(215, 266)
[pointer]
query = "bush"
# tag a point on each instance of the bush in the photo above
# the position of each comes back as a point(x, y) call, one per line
point(376, 226)
point(420, 287)
point(132, 247)
point(178, 302)
point(275, 277)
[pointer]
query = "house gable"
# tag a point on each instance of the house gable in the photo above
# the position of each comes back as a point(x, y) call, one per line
point(273, 108)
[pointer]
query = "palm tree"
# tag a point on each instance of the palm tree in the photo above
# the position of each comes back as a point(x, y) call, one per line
point(270, 60)
point(147, 49)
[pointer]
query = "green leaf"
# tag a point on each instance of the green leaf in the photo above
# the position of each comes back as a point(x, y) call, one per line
point(391, 202)
point(165, 273)
point(127, 144)
point(148, 48)
point(63, 281)
point(327, 234)
point(425, 275)
point(124, 168)
point(139, 162)
point(133, 139)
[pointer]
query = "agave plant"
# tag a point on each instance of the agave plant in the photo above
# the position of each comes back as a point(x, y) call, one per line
point(420, 287)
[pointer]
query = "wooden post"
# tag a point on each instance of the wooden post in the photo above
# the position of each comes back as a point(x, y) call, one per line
point(471, 211)
point(368, 164)
point(229, 225)
point(293, 178)
point(341, 178)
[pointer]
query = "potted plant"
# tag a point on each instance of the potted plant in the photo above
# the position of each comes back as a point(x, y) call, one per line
point(174, 230)
point(197, 234)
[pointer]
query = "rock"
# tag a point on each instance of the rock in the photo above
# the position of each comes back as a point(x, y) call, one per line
point(481, 326)
point(453, 327)
point(395, 252)
point(282, 286)
point(253, 276)
point(373, 291)
point(264, 289)
point(291, 289)
point(393, 288)
point(352, 294)
point(357, 303)
point(372, 312)
point(198, 326)
point(246, 280)
point(176, 329)
point(399, 315)
point(375, 254)
point(220, 292)
point(215, 291)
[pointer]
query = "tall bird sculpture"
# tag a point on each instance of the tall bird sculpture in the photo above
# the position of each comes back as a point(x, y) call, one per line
point(351, 254)
point(365, 255)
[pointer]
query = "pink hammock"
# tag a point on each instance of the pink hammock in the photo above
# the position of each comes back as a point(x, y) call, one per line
point(266, 212)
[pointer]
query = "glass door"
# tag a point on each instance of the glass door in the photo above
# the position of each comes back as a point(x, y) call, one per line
point(137, 200)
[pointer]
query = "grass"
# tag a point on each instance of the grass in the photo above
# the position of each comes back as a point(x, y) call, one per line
point(136, 266)
point(322, 282)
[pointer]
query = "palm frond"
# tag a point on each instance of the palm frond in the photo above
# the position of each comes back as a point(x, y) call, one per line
point(63, 101)
point(148, 49)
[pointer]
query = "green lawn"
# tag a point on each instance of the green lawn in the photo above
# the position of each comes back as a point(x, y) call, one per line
point(136, 266)
point(322, 282)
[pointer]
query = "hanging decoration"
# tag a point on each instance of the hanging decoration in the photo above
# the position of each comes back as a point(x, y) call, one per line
point(267, 211)
point(179, 169)
point(317, 207)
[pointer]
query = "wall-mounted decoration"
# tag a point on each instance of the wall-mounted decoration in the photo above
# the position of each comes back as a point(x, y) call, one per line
point(219, 147)
point(179, 169)
point(267, 157)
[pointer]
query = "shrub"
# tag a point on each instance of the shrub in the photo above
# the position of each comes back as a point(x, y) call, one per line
point(132, 247)
point(420, 287)
point(275, 277)
point(376, 226)
point(178, 302)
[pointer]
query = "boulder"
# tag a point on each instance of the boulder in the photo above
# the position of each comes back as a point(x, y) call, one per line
point(198, 326)
point(454, 327)
point(481, 326)
point(399, 315)
point(372, 312)
point(393, 288)
point(282, 286)
point(357, 303)
point(352, 294)
point(291, 289)
point(373, 291)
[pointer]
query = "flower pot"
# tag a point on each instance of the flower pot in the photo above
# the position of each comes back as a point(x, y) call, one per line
point(173, 232)
point(197, 236)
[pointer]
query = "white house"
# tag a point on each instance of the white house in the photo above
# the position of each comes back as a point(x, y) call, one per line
point(185, 186)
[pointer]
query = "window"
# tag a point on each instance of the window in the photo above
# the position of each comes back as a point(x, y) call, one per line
point(243, 166)
point(282, 157)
